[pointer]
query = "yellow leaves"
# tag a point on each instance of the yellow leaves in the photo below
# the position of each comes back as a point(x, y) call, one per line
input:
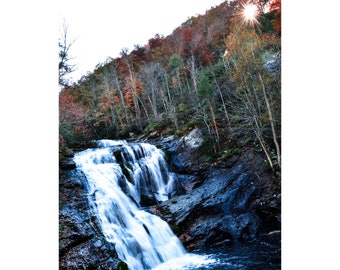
point(181, 107)
point(98, 114)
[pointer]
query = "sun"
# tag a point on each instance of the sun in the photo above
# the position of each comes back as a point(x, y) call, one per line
point(249, 14)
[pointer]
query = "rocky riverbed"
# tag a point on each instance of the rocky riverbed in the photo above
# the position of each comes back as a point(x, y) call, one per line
point(237, 200)
point(234, 200)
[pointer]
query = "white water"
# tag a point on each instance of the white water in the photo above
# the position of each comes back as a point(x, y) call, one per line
point(142, 240)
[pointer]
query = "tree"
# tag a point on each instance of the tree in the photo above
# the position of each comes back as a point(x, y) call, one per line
point(72, 119)
point(261, 4)
point(152, 76)
point(259, 94)
point(206, 104)
point(275, 7)
point(65, 66)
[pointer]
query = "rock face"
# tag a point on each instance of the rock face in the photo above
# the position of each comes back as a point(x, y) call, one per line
point(183, 155)
point(81, 243)
point(223, 203)
point(221, 209)
point(235, 200)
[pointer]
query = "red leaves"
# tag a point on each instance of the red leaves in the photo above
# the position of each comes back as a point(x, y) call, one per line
point(69, 110)
point(129, 99)
point(276, 7)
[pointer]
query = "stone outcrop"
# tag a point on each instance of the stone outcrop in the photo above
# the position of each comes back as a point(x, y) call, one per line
point(81, 243)
point(220, 209)
point(232, 200)
point(216, 204)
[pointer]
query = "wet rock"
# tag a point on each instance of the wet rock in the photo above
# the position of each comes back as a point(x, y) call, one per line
point(243, 226)
point(224, 202)
point(218, 210)
point(184, 156)
point(231, 162)
point(146, 200)
point(67, 164)
point(272, 236)
point(81, 243)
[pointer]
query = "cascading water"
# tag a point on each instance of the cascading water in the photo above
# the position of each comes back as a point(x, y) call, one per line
point(120, 176)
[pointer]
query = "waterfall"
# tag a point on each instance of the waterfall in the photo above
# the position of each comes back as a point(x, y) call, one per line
point(120, 177)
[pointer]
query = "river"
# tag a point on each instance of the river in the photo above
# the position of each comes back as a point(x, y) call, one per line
point(120, 176)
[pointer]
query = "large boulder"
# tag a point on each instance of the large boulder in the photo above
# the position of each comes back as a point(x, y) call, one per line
point(220, 209)
point(183, 153)
point(193, 140)
point(228, 201)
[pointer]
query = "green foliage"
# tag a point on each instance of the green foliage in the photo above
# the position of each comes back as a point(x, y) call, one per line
point(67, 133)
point(226, 154)
point(175, 61)
point(176, 229)
point(267, 22)
point(193, 123)
point(248, 139)
point(208, 149)
point(103, 130)
point(159, 126)
point(63, 149)
point(196, 86)
point(153, 126)
point(70, 135)
point(257, 91)
point(127, 130)
point(122, 266)
point(266, 165)
point(205, 91)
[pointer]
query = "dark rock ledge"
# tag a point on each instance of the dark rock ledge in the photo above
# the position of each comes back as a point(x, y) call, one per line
point(81, 243)
point(236, 200)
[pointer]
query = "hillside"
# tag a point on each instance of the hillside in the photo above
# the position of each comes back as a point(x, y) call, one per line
point(217, 71)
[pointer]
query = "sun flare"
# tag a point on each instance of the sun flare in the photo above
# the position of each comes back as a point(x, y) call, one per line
point(250, 13)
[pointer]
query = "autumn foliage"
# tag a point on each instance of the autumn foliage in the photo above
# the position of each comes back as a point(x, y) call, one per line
point(208, 73)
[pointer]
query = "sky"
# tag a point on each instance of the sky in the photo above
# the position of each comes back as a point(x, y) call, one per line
point(102, 28)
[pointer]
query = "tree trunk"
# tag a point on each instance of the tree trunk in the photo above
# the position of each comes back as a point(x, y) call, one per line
point(271, 122)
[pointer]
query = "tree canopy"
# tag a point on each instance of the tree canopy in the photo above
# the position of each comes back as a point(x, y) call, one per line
point(211, 72)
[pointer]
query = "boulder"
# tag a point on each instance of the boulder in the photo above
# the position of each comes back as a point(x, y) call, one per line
point(193, 140)
point(222, 208)
point(184, 156)
point(224, 202)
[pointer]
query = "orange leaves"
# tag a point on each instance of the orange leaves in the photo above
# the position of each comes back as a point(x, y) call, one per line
point(117, 100)
point(69, 110)
point(276, 7)
point(133, 90)
point(109, 98)
point(129, 99)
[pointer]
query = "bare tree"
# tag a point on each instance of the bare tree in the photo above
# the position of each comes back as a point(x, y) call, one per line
point(152, 75)
point(65, 66)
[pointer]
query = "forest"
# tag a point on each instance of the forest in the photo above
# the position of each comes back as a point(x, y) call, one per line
point(219, 71)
